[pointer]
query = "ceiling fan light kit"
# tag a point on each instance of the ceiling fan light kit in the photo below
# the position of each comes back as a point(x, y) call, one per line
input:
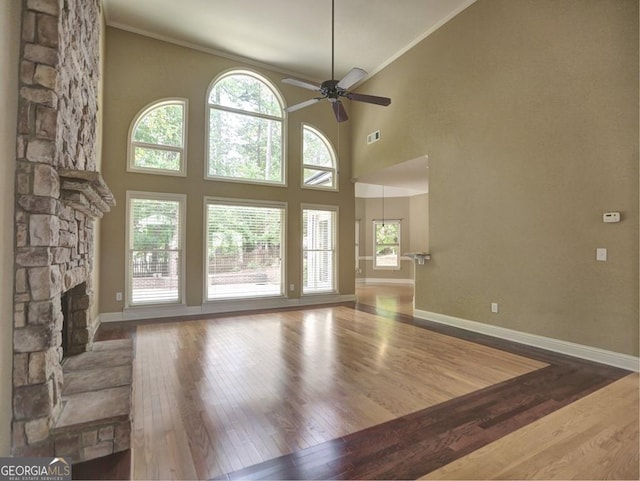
point(332, 90)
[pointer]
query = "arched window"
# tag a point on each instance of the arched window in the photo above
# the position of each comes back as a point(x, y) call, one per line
point(318, 159)
point(157, 138)
point(245, 130)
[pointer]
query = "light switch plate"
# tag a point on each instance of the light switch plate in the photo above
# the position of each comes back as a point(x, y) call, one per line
point(601, 254)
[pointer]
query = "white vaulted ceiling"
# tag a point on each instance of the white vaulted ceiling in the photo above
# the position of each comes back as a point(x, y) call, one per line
point(293, 36)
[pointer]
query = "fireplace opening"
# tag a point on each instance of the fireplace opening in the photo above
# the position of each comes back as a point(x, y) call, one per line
point(67, 307)
point(76, 335)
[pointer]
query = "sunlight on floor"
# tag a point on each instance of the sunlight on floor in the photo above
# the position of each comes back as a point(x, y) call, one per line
point(394, 298)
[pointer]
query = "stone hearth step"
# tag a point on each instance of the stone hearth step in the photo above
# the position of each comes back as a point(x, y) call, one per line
point(95, 420)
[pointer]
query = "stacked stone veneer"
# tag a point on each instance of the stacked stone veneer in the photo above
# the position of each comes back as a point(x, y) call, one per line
point(53, 236)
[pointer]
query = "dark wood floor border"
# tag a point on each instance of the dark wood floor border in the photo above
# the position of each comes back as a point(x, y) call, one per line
point(414, 445)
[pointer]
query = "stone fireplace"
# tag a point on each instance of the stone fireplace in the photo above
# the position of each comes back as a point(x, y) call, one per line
point(53, 296)
point(59, 195)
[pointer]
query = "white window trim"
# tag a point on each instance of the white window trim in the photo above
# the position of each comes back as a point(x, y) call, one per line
point(131, 167)
point(332, 153)
point(357, 247)
point(245, 202)
point(283, 119)
point(336, 260)
point(375, 245)
point(182, 200)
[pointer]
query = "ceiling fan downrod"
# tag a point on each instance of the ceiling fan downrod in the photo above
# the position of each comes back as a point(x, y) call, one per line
point(333, 38)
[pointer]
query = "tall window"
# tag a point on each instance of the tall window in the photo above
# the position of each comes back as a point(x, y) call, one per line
point(155, 239)
point(157, 138)
point(244, 249)
point(319, 249)
point(319, 161)
point(246, 130)
point(386, 235)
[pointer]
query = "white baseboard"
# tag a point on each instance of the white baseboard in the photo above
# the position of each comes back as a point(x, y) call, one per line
point(382, 281)
point(595, 354)
point(141, 313)
point(221, 307)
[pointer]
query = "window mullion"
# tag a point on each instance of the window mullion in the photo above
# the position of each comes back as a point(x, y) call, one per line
point(168, 148)
point(244, 112)
point(318, 167)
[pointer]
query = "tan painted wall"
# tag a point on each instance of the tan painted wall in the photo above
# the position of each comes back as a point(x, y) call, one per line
point(9, 46)
point(140, 70)
point(528, 111)
point(419, 223)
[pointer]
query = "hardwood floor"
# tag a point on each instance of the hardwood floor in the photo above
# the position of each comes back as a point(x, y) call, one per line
point(596, 437)
point(366, 392)
point(389, 298)
point(243, 390)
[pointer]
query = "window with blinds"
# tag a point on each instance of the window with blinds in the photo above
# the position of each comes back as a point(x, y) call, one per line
point(155, 244)
point(319, 250)
point(244, 249)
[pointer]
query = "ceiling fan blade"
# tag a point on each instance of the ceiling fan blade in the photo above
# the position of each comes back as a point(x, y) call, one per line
point(339, 111)
point(370, 99)
point(301, 83)
point(302, 105)
point(353, 77)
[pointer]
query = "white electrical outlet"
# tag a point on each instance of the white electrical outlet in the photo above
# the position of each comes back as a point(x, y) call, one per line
point(494, 307)
point(118, 296)
point(601, 254)
point(292, 287)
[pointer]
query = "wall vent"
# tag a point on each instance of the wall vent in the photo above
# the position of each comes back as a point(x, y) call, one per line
point(373, 137)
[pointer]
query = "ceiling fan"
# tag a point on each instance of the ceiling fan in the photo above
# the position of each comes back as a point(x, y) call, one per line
point(332, 90)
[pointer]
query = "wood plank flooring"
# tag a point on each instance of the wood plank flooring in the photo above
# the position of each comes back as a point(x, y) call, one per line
point(243, 390)
point(596, 437)
point(410, 446)
point(390, 298)
point(365, 391)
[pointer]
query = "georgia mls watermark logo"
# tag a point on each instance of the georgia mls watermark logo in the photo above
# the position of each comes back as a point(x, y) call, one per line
point(35, 469)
